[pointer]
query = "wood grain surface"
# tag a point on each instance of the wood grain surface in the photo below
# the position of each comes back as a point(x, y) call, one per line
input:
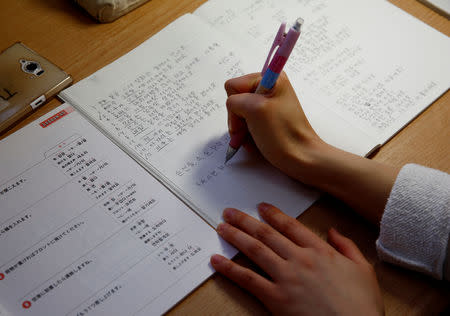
point(62, 32)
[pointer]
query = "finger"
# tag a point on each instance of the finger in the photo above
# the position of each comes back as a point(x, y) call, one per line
point(245, 278)
point(260, 231)
point(239, 107)
point(254, 249)
point(238, 139)
point(245, 104)
point(247, 83)
point(250, 145)
point(290, 227)
point(237, 129)
point(346, 246)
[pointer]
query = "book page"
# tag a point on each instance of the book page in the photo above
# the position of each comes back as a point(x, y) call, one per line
point(366, 63)
point(85, 230)
point(164, 103)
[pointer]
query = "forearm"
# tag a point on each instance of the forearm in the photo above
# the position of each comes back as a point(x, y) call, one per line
point(283, 135)
point(362, 183)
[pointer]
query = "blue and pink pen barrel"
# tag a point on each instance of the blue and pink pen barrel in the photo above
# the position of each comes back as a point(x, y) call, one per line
point(285, 43)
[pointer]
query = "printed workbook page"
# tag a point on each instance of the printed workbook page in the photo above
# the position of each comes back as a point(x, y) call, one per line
point(85, 230)
point(361, 69)
point(164, 104)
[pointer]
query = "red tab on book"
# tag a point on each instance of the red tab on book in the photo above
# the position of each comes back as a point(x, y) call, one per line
point(56, 117)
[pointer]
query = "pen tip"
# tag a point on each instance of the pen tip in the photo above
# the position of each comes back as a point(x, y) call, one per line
point(230, 153)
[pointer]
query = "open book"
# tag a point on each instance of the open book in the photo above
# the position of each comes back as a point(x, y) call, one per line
point(85, 230)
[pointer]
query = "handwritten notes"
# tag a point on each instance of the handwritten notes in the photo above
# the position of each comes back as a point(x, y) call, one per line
point(348, 65)
point(170, 115)
point(162, 104)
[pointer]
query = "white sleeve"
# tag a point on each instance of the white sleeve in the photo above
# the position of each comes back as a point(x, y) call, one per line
point(415, 227)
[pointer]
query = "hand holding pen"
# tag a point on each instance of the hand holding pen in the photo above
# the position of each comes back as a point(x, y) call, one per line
point(271, 72)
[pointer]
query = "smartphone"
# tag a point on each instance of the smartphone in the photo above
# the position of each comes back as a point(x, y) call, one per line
point(27, 80)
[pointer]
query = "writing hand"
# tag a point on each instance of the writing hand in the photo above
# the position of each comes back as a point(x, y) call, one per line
point(277, 125)
point(280, 130)
point(307, 275)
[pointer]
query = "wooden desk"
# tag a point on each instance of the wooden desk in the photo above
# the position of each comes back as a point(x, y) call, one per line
point(62, 32)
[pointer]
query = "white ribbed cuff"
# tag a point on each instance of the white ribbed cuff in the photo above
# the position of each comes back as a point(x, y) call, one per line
point(415, 227)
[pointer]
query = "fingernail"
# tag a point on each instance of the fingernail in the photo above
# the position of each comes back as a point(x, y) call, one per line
point(264, 207)
point(228, 213)
point(220, 228)
point(334, 231)
point(216, 259)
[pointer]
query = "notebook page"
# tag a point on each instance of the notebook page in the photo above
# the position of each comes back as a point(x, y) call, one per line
point(164, 103)
point(366, 63)
point(84, 230)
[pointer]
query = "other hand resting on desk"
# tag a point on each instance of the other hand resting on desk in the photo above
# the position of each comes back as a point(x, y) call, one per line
point(307, 275)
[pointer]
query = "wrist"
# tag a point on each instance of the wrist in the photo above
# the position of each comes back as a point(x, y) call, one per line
point(362, 183)
point(310, 159)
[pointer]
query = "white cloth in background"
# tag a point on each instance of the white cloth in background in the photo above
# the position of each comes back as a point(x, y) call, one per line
point(415, 227)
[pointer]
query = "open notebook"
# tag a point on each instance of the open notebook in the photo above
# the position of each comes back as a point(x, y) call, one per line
point(359, 80)
point(361, 71)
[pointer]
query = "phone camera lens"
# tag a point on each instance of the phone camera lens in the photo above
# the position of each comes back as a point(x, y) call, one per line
point(31, 67)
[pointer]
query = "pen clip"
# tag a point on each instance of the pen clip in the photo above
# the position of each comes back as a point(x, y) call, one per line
point(279, 39)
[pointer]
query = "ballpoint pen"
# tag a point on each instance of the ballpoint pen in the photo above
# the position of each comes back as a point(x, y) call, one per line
point(285, 43)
